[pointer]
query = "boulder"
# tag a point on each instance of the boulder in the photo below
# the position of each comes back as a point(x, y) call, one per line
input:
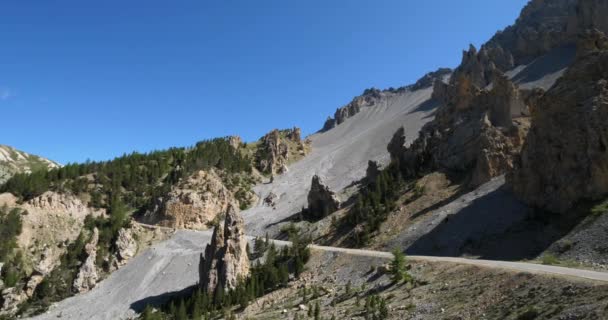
point(271, 199)
point(87, 275)
point(225, 260)
point(321, 200)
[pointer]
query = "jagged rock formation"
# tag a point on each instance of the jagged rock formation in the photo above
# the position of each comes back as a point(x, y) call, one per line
point(14, 161)
point(482, 117)
point(321, 200)
point(225, 261)
point(474, 129)
point(542, 26)
point(87, 275)
point(126, 246)
point(369, 98)
point(565, 157)
point(277, 149)
point(193, 203)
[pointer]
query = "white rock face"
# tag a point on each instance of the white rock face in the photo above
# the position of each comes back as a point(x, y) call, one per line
point(87, 276)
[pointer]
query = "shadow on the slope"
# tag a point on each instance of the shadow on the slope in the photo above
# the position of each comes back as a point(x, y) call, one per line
point(497, 227)
point(553, 61)
point(428, 105)
point(159, 300)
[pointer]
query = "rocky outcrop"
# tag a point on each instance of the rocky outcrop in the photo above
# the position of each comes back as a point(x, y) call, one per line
point(321, 200)
point(476, 67)
point(544, 25)
point(277, 148)
point(271, 199)
point(126, 246)
point(565, 157)
point(369, 98)
point(193, 203)
point(476, 130)
point(87, 275)
point(235, 141)
point(52, 221)
point(225, 260)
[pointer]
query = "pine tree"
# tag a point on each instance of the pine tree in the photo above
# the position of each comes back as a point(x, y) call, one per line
point(317, 312)
point(181, 312)
point(398, 267)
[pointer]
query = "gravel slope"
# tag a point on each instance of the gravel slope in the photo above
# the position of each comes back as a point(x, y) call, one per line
point(340, 156)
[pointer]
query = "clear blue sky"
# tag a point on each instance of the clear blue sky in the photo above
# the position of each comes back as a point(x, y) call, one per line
point(95, 79)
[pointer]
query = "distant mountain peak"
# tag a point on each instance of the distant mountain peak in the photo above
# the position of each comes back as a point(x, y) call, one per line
point(14, 161)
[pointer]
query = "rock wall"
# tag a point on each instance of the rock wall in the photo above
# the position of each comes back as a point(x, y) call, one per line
point(565, 157)
point(192, 203)
point(225, 260)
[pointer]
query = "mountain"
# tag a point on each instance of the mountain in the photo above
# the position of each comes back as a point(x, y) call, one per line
point(14, 161)
point(488, 174)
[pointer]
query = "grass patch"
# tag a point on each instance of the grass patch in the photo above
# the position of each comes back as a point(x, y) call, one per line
point(549, 259)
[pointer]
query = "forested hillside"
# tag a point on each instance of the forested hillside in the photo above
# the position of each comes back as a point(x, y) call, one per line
point(134, 178)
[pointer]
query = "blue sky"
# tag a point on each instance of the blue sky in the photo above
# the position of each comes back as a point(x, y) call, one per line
point(95, 79)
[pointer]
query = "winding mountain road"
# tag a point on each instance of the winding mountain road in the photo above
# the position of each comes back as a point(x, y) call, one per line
point(506, 265)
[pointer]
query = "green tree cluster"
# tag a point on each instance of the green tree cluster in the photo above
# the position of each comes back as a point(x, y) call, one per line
point(135, 178)
point(10, 229)
point(374, 203)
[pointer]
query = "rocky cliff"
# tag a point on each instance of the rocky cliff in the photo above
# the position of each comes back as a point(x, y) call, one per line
point(195, 202)
point(477, 129)
point(565, 157)
point(277, 149)
point(483, 118)
point(225, 260)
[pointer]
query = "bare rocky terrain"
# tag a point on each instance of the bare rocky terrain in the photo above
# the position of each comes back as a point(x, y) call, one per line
point(502, 165)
